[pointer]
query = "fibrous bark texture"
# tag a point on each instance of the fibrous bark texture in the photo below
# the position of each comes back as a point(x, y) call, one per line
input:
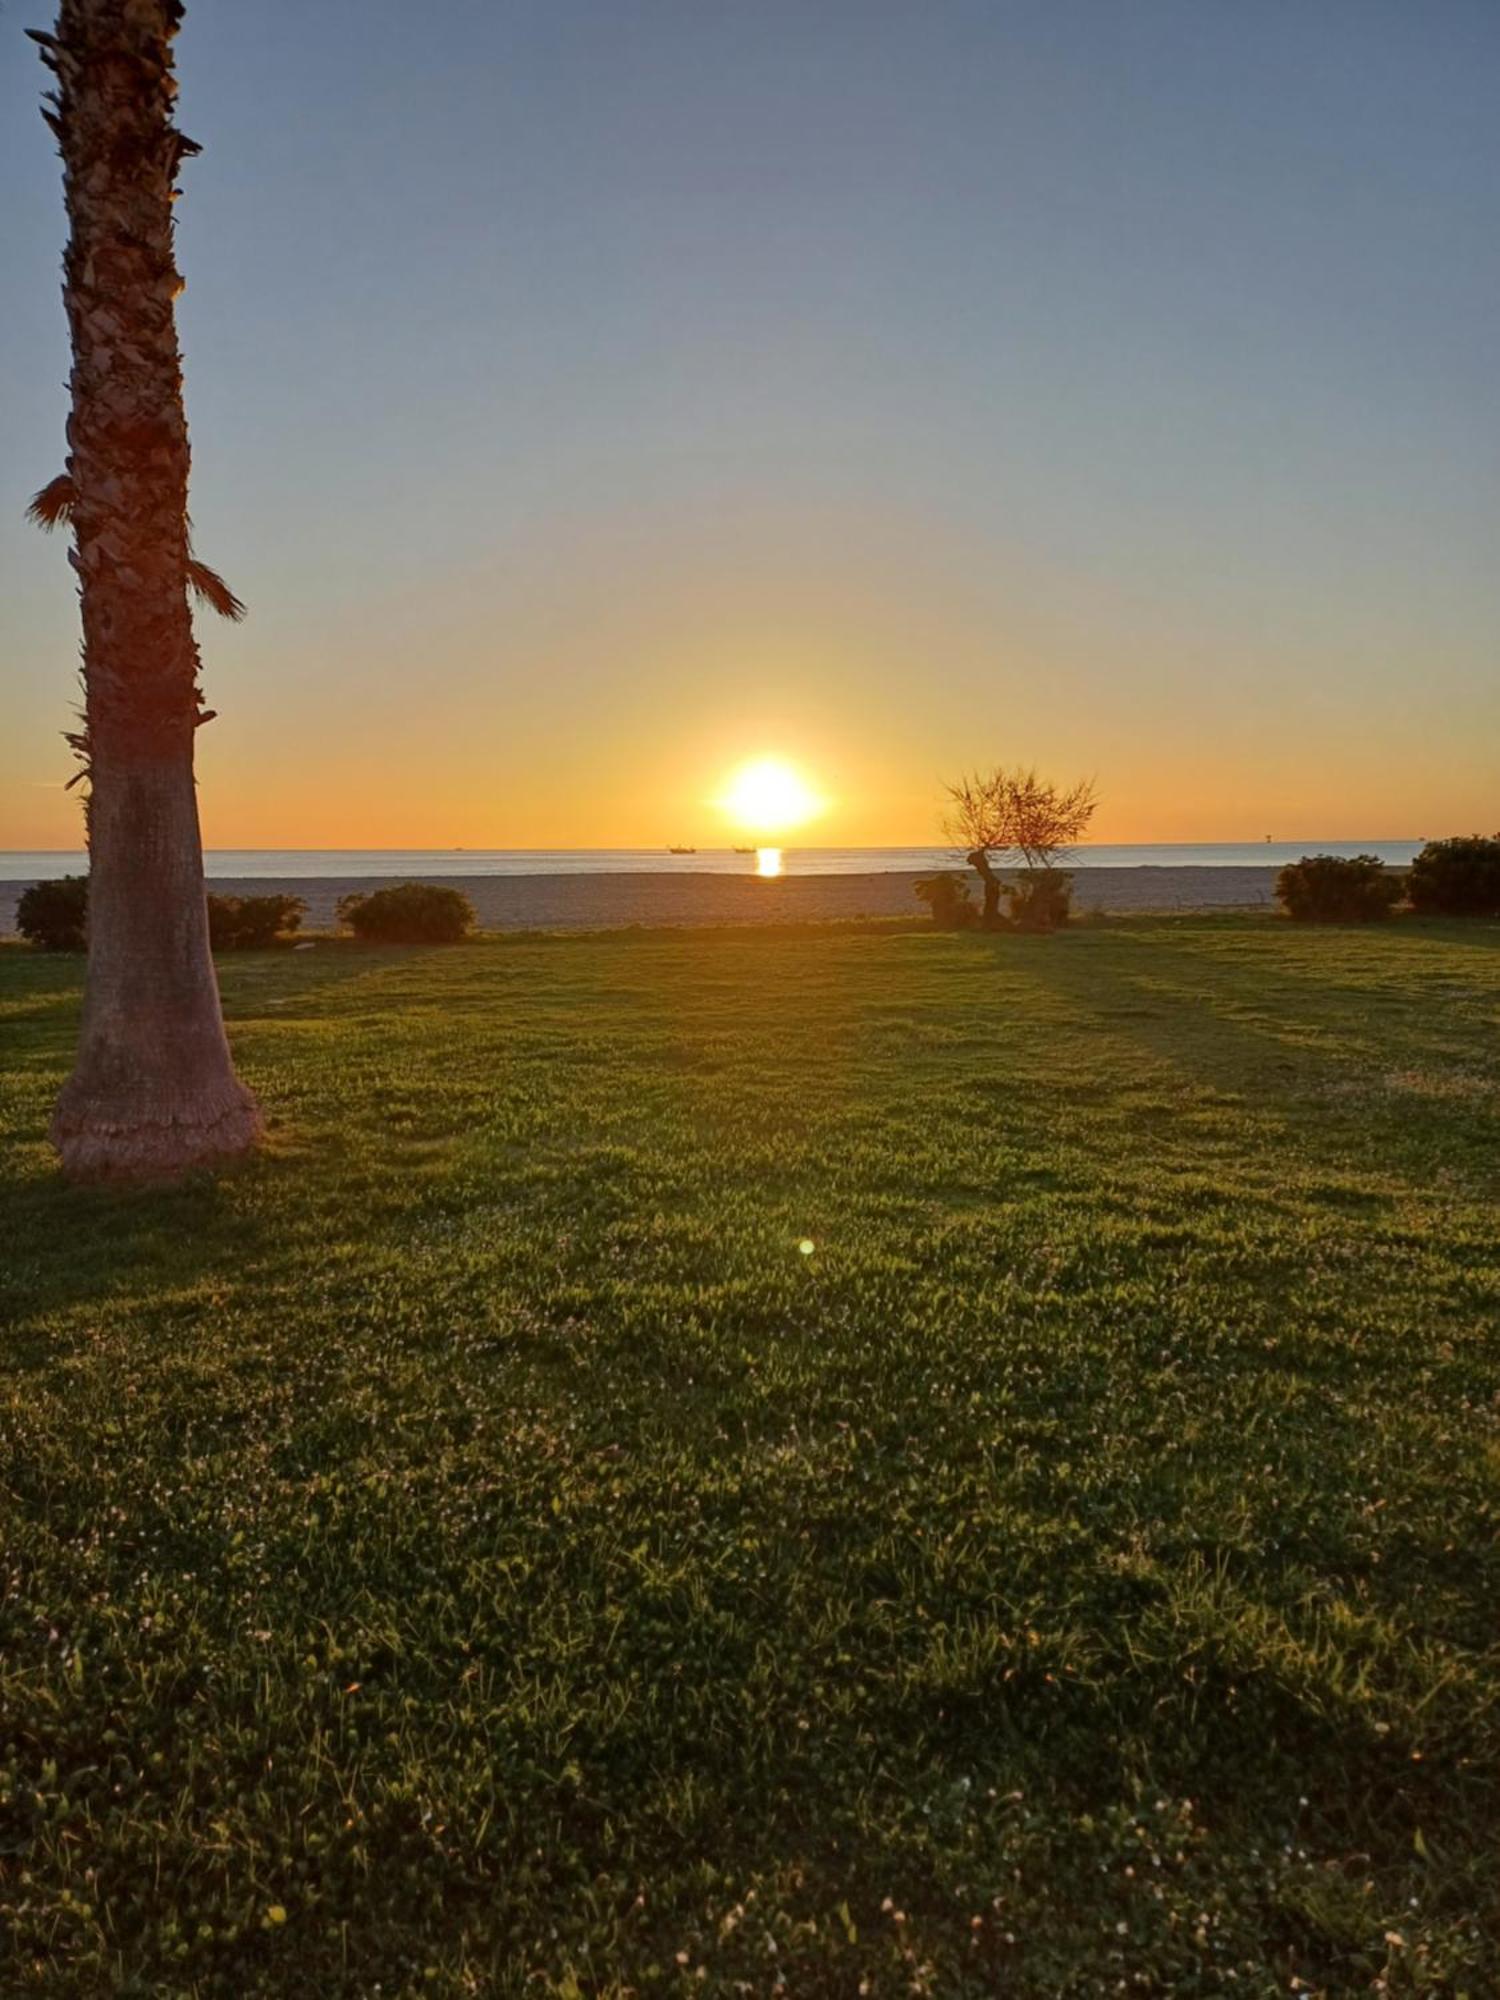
point(154, 1090)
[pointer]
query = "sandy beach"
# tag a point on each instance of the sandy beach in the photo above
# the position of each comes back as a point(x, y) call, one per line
point(612, 902)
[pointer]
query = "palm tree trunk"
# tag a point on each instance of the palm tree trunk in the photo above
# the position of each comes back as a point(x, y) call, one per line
point(154, 1090)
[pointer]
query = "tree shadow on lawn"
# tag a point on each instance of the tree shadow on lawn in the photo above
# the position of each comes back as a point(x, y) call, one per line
point(1339, 989)
point(105, 1247)
point(74, 1244)
point(221, 1232)
point(248, 981)
point(1339, 1085)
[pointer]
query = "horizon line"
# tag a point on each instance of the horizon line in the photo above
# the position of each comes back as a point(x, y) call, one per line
point(782, 846)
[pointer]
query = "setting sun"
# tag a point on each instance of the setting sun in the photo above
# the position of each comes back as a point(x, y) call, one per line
point(768, 796)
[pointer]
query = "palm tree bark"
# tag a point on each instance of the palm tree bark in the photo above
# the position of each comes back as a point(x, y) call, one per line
point(154, 1090)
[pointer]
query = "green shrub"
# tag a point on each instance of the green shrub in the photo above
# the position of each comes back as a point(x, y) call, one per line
point(1041, 900)
point(947, 898)
point(1337, 889)
point(1457, 878)
point(251, 923)
point(409, 913)
point(54, 915)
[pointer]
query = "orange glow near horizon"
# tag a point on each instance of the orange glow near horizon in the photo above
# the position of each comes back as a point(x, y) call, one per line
point(687, 709)
point(664, 645)
point(636, 786)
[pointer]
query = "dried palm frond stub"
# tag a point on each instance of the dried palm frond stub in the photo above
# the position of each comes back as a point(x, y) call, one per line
point(53, 506)
point(208, 585)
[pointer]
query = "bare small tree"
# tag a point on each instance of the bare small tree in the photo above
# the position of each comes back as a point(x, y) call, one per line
point(1014, 816)
point(975, 822)
point(1045, 822)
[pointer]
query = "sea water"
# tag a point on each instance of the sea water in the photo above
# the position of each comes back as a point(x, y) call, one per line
point(307, 863)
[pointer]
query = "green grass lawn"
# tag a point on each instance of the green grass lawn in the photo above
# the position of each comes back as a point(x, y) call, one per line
point(478, 1549)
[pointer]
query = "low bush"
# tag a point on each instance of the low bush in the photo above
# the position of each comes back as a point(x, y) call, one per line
point(1338, 889)
point(409, 913)
point(54, 915)
point(251, 923)
point(1457, 878)
point(1041, 900)
point(948, 900)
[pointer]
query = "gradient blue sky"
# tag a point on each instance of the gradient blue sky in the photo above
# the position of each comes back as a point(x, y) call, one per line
point(586, 396)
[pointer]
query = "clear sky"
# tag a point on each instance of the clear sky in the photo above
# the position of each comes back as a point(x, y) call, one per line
point(589, 394)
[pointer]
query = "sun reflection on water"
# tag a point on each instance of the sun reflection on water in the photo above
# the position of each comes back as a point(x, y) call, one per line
point(768, 861)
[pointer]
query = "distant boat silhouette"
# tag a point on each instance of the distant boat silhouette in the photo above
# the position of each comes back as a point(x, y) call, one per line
point(746, 850)
point(682, 850)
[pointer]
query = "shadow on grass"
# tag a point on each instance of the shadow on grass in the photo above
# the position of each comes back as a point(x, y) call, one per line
point(80, 1245)
point(67, 1245)
point(1313, 1052)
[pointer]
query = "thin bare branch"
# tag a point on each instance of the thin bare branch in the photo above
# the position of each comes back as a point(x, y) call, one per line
point(1018, 812)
